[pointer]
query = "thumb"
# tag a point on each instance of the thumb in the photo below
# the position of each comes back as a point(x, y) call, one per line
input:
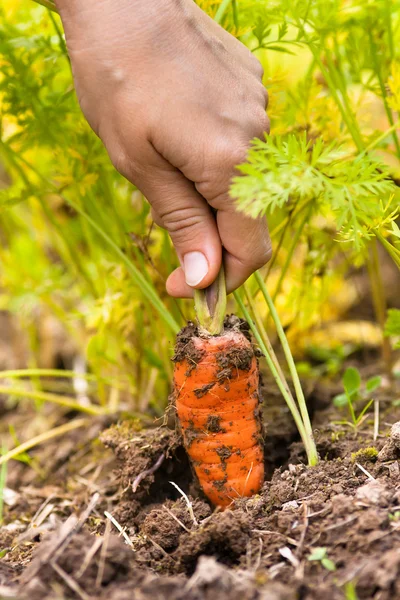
point(190, 222)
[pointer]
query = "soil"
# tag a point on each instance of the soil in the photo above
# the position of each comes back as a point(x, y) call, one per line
point(327, 531)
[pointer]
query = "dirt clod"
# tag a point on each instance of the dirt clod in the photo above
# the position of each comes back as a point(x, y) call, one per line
point(213, 424)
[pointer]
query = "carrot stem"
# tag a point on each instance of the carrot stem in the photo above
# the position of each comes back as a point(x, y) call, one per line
point(312, 455)
point(287, 396)
point(210, 305)
point(223, 7)
point(264, 335)
point(379, 301)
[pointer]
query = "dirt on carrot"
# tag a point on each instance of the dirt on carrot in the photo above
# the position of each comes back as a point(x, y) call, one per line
point(216, 398)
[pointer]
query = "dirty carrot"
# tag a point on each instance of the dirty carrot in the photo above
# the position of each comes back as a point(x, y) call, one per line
point(216, 394)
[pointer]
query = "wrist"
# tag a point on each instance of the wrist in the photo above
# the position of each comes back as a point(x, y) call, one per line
point(124, 27)
point(141, 12)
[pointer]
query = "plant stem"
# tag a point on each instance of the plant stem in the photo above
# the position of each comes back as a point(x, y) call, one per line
point(347, 117)
point(351, 411)
point(382, 137)
point(60, 373)
point(54, 399)
point(223, 7)
point(376, 419)
point(47, 4)
point(264, 335)
point(391, 250)
point(311, 452)
point(43, 437)
point(335, 81)
point(210, 305)
point(313, 458)
point(388, 17)
point(383, 90)
point(235, 15)
point(379, 300)
point(283, 223)
point(292, 248)
point(3, 477)
point(279, 245)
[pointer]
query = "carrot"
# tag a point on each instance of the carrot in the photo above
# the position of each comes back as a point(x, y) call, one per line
point(216, 383)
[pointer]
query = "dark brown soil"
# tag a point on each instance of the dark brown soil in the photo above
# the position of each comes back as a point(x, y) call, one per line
point(58, 543)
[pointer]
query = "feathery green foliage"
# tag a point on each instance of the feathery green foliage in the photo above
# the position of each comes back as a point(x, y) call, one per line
point(287, 170)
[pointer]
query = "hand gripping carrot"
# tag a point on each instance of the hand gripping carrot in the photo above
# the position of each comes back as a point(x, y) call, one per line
point(216, 382)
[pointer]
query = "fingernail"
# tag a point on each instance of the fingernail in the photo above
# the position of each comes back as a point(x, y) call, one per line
point(195, 266)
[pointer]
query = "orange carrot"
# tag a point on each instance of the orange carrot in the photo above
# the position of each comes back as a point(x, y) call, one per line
point(216, 384)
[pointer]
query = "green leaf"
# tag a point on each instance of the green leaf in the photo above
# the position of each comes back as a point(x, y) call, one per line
point(395, 229)
point(351, 381)
point(328, 564)
point(373, 383)
point(340, 400)
point(293, 168)
point(317, 554)
point(392, 325)
point(279, 49)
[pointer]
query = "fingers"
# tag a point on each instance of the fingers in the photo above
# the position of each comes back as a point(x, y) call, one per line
point(246, 241)
point(247, 248)
point(179, 208)
point(247, 244)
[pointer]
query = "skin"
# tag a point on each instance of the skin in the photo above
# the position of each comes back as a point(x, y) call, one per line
point(233, 403)
point(175, 100)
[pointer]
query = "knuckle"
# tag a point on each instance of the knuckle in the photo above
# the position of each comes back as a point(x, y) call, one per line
point(181, 221)
point(265, 95)
point(217, 174)
point(233, 149)
point(238, 154)
point(258, 68)
point(261, 123)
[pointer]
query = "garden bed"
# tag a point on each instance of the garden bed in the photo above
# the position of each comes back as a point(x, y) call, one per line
point(344, 514)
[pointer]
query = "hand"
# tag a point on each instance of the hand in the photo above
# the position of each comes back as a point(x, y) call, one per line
point(176, 100)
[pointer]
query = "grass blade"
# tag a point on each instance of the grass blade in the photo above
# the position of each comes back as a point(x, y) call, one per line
point(43, 437)
point(54, 399)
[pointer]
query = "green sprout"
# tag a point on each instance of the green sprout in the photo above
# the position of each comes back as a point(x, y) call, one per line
point(320, 555)
point(353, 393)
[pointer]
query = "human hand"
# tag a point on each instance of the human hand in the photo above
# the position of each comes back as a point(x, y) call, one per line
point(176, 100)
